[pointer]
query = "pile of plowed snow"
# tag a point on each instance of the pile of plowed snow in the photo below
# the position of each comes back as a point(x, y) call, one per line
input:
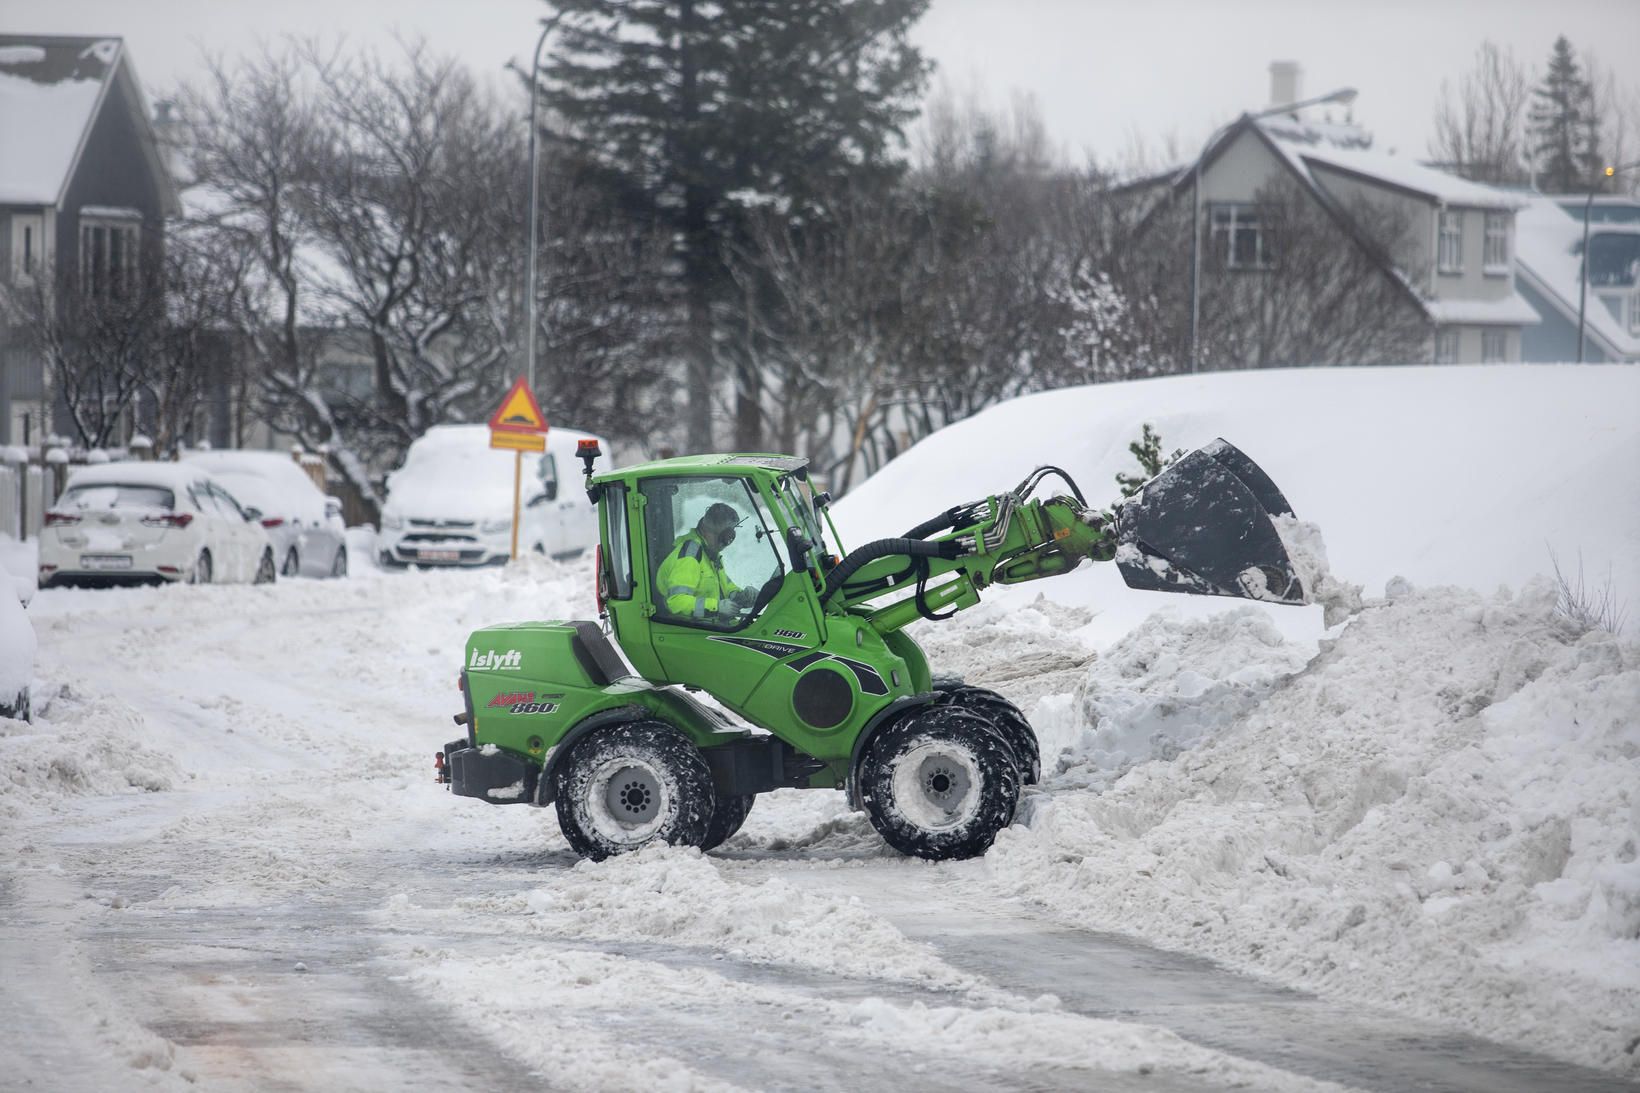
point(1439, 812)
point(1442, 475)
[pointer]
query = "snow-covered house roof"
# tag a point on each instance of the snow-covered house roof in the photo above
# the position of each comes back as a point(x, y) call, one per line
point(1549, 255)
point(52, 89)
point(1312, 147)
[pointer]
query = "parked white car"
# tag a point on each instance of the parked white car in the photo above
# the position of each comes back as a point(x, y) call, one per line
point(451, 502)
point(130, 523)
point(306, 528)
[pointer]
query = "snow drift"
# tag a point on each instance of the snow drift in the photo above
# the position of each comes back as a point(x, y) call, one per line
point(1439, 812)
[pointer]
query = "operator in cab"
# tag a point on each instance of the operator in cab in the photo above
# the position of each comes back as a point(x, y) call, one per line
point(691, 580)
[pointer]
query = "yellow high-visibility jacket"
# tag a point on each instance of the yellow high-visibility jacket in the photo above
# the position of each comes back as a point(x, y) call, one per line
point(689, 582)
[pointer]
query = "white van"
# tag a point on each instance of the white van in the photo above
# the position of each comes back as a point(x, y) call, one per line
point(451, 502)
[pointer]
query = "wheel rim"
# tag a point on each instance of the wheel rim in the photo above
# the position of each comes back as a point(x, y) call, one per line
point(339, 569)
point(264, 570)
point(628, 799)
point(202, 569)
point(291, 564)
point(936, 785)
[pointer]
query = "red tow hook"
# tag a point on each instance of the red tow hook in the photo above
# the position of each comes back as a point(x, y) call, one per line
point(441, 773)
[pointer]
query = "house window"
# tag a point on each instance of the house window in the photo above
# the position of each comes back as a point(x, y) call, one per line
point(1449, 256)
point(27, 247)
point(110, 257)
point(1241, 239)
point(1494, 346)
point(1495, 257)
point(1446, 345)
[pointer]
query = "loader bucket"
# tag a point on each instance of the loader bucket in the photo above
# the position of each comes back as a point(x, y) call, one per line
point(1203, 527)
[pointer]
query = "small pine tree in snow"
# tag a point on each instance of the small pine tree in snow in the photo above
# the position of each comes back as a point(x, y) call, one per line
point(1565, 125)
point(1148, 451)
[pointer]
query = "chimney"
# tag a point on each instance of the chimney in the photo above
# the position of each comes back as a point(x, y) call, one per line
point(1286, 82)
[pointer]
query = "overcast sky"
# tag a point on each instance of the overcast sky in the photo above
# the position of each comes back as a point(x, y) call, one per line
point(1102, 73)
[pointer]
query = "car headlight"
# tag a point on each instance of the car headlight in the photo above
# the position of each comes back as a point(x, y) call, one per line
point(391, 522)
point(496, 525)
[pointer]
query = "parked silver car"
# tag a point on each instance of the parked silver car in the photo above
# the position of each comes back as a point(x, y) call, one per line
point(306, 528)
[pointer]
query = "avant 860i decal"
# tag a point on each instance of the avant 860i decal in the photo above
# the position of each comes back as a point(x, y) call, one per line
point(526, 702)
point(870, 682)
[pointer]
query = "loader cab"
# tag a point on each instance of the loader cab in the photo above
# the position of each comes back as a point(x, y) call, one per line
point(737, 583)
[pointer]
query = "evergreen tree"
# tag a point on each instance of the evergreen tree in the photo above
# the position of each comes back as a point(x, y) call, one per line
point(698, 110)
point(1565, 125)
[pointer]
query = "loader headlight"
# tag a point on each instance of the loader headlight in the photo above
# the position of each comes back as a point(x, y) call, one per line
point(496, 525)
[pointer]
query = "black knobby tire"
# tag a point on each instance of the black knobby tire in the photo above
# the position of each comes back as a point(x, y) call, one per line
point(939, 783)
point(632, 786)
point(265, 573)
point(731, 811)
point(1009, 722)
point(292, 564)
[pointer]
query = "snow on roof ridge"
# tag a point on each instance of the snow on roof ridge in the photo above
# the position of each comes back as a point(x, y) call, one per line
point(1389, 169)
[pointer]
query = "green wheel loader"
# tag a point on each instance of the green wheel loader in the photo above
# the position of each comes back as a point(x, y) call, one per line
point(723, 575)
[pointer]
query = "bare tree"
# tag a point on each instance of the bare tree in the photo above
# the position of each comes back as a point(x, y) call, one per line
point(205, 273)
point(1480, 125)
point(97, 342)
point(253, 136)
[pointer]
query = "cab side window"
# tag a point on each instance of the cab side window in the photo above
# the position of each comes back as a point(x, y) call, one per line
point(711, 549)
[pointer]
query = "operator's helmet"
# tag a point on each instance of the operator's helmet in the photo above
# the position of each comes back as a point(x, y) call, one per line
point(720, 517)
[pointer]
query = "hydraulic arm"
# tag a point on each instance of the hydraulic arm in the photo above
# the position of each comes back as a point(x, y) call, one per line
point(1202, 526)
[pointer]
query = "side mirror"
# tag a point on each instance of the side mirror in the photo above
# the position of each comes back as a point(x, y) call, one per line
point(252, 515)
point(800, 547)
point(333, 506)
point(549, 490)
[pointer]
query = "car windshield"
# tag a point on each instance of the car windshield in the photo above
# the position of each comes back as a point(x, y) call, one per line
point(116, 496)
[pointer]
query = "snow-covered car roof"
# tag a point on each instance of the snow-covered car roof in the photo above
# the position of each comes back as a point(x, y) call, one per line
point(172, 476)
point(270, 481)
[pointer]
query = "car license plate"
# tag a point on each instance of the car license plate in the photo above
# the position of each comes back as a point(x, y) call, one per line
point(105, 561)
point(439, 555)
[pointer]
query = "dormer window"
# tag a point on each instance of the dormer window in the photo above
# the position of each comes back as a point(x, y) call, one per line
point(1495, 257)
point(110, 252)
point(1449, 249)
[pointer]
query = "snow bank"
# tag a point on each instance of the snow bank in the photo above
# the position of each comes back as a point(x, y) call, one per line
point(90, 747)
point(1465, 475)
point(1438, 814)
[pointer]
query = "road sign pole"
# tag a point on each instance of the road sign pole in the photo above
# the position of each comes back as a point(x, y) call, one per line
point(518, 474)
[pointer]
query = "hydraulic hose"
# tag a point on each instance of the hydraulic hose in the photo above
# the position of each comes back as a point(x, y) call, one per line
point(884, 548)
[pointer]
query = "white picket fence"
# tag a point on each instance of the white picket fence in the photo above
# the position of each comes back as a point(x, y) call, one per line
point(25, 495)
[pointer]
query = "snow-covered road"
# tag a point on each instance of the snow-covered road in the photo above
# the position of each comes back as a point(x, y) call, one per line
point(225, 865)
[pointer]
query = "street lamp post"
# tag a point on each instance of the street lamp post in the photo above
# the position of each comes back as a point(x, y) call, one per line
point(1583, 281)
point(547, 26)
point(1342, 95)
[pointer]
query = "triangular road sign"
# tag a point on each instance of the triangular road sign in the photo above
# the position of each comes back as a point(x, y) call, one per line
point(519, 412)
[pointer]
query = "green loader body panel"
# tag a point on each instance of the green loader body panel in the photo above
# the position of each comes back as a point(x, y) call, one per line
point(529, 689)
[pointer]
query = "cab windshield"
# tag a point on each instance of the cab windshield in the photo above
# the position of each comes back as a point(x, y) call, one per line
point(798, 496)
